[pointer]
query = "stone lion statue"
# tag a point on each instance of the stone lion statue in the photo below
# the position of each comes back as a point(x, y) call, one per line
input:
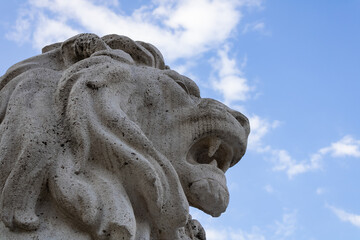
point(99, 139)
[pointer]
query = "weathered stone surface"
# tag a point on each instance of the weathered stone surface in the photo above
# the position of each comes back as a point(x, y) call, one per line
point(99, 139)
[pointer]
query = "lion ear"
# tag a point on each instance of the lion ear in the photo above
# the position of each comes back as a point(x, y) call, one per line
point(139, 53)
point(80, 47)
point(51, 47)
point(159, 60)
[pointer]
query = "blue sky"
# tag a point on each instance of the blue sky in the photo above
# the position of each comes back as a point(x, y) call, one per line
point(293, 67)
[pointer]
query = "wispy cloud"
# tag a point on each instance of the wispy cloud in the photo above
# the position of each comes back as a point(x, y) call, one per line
point(230, 234)
point(281, 158)
point(345, 147)
point(258, 26)
point(344, 216)
point(229, 79)
point(286, 227)
point(279, 230)
point(176, 27)
point(260, 127)
point(283, 161)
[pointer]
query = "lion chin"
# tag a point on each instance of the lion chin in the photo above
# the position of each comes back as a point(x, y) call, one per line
point(99, 139)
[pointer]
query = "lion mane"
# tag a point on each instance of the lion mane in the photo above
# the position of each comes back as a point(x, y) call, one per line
point(82, 139)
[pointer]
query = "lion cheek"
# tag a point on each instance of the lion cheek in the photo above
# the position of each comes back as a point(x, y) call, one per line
point(210, 196)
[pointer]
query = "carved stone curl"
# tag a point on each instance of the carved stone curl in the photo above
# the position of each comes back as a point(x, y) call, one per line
point(99, 139)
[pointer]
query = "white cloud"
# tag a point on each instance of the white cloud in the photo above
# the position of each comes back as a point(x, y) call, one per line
point(346, 216)
point(283, 161)
point(259, 128)
point(345, 147)
point(181, 29)
point(229, 79)
point(45, 34)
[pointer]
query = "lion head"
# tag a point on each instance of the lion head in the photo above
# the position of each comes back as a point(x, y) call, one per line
point(100, 136)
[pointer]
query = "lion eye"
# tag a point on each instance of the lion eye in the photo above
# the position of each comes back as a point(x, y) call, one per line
point(183, 86)
point(185, 83)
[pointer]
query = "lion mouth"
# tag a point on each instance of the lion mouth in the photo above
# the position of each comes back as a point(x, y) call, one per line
point(213, 151)
point(221, 152)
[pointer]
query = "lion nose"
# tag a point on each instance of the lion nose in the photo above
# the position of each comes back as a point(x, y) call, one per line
point(214, 104)
point(242, 119)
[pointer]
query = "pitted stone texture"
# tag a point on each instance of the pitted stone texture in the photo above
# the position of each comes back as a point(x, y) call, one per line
point(99, 139)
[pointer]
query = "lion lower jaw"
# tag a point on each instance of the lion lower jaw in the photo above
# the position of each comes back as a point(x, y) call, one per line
point(210, 196)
